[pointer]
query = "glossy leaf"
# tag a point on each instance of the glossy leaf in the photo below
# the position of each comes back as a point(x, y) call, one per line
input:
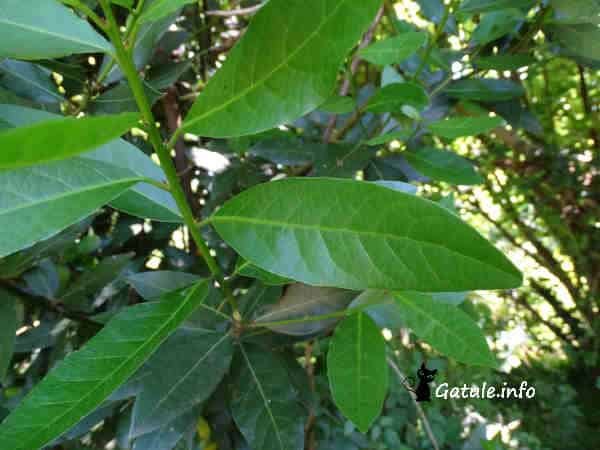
point(313, 230)
point(8, 316)
point(183, 372)
point(393, 50)
point(265, 403)
point(247, 269)
point(81, 293)
point(576, 12)
point(167, 436)
point(48, 30)
point(142, 200)
point(29, 81)
point(301, 301)
point(393, 97)
point(479, 6)
point(267, 82)
point(151, 285)
point(388, 137)
point(63, 193)
point(504, 62)
point(496, 24)
point(445, 327)
point(339, 105)
point(59, 139)
point(456, 127)
point(485, 90)
point(161, 8)
point(443, 166)
point(357, 370)
point(80, 383)
point(581, 40)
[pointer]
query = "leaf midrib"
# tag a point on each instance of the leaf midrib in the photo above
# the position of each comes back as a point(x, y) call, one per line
point(54, 34)
point(284, 63)
point(125, 361)
point(319, 228)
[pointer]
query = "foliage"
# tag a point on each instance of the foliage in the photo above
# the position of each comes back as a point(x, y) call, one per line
point(245, 225)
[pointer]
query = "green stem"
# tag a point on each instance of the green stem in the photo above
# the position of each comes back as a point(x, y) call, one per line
point(135, 83)
point(439, 29)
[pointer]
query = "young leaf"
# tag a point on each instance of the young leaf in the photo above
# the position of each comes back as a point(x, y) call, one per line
point(82, 381)
point(393, 50)
point(358, 235)
point(357, 370)
point(485, 90)
point(448, 329)
point(8, 317)
point(496, 24)
point(59, 139)
point(443, 166)
point(142, 200)
point(265, 403)
point(286, 77)
point(151, 285)
point(161, 8)
point(183, 372)
point(393, 97)
point(48, 30)
point(301, 301)
point(456, 127)
point(64, 193)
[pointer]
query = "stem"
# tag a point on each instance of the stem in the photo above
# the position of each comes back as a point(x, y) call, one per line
point(439, 29)
point(135, 82)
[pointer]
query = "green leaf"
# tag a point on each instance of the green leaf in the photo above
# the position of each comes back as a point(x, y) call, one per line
point(357, 370)
point(29, 81)
point(445, 327)
point(301, 301)
point(339, 105)
point(394, 50)
point(80, 383)
point(167, 436)
point(80, 294)
point(579, 40)
point(161, 8)
point(48, 30)
point(569, 12)
point(496, 24)
point(479, 6)
point(265, 403)
point(315, 231)
point(402, 135)
point(8, 317)
point(59, 139)
point(266, 82)
point(393, 97)
point(504, 62)
point(142, 200)
point(485, 90)
point(443, 166)
point(183, 372)
point(64, 193)
point(456, 127)
point(246, 269)
point(151, 285)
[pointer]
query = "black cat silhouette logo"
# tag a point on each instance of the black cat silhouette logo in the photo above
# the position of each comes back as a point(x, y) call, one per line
point(426, 376)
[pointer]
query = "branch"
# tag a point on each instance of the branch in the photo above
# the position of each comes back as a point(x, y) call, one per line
point(366, 40)
point(420, 411)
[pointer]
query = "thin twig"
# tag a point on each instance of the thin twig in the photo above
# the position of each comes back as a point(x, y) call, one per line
point(235, 12)
point(366, 40)
point(420, 411)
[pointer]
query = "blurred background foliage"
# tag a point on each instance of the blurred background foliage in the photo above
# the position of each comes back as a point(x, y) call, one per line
point(539, 201)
